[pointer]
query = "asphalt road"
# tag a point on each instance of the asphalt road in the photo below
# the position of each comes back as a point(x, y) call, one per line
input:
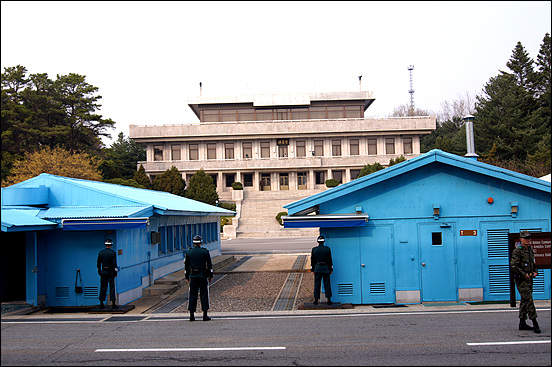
point(415, 336)
point(283, 245)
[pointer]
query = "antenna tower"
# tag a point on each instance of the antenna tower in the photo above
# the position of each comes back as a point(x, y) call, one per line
point(411, 90)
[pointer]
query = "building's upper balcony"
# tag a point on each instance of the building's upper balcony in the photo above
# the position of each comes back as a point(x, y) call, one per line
point(282, 128)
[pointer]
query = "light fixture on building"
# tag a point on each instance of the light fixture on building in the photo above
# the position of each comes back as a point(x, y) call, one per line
point(514, 208)
point(436, 211)
point(358, 209)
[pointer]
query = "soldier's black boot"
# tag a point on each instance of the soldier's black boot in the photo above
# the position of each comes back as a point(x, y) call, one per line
point(315, 301)
point(536, 327)
point(101, 305)
point(330, 301)
point(113, 305)
point(205, 317)
point(192, 317)
point(523, 325)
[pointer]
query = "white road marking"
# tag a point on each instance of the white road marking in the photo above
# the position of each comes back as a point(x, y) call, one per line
point(513, 343)
point(189, 349)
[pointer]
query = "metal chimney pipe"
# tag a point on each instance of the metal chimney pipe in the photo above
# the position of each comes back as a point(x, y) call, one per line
point(470, 138)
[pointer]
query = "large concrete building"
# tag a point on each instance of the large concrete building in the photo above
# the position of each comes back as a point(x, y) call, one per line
point(287, 145)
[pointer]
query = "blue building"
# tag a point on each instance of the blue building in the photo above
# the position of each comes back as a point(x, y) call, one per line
point(54, 226)
point(433, 228)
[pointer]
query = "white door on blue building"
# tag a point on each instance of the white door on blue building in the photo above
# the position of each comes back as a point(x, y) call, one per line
point(438, 262)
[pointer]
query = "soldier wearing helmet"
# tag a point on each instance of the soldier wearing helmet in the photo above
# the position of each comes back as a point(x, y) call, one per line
point(198, 270)
point(523, 267)
point(322, 266)
point(107, 270)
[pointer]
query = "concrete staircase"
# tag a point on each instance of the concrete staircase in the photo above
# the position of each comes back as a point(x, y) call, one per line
point(259, 210)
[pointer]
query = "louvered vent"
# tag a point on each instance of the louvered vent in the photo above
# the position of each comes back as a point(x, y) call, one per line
point(62, 292)
point(345, 289)
point(499, 279)
point(497, 243)
point(91, 292)
point(377, 288)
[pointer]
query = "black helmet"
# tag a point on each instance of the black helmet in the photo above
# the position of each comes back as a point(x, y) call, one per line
point(197, 240)
point(320, 239)
point(108, 242)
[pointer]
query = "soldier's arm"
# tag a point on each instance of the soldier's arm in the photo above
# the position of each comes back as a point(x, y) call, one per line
point(514, 263)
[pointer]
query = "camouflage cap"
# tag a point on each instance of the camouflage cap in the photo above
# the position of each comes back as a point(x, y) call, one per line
point(525, 234)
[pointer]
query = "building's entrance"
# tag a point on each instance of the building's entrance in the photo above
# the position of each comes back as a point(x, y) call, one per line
point(265, 181)
point(65, 253)
point(438, 266)
point(13, 280)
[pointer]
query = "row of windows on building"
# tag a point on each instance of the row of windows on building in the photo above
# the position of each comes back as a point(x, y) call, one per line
point(300, 149)
point(265, 179)
point(292, 113)
point(179, 237)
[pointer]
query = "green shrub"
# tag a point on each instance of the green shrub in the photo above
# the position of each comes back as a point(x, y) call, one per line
point(332, 182)
point(279, 217)
point(237, 185)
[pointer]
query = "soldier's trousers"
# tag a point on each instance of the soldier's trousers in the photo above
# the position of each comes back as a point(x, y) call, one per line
point(104, 282)
point(201, 285)
point(526, 305)
point(318, 277)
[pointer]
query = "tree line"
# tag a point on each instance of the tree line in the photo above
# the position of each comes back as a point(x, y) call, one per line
point(54, 126)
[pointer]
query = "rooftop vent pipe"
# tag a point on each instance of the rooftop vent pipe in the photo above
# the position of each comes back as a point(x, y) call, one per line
point(469, 137)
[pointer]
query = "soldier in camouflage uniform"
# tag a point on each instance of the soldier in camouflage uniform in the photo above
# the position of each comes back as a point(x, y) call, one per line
point(524, 270)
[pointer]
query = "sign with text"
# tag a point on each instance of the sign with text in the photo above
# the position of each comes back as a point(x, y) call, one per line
point(468, 232)
point(283, 141)
point(540, 242)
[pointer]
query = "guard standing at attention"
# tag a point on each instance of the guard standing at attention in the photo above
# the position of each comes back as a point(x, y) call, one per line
point(198, 271)
point(322, 266)
point(107, 269)
point(524, 269)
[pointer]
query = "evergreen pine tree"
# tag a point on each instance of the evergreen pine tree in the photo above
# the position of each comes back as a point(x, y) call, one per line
point(170, 181)
point(202, 188)
point(141, 177)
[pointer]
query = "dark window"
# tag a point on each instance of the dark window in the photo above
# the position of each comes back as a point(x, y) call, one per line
point(229, 150)
point(336, 148)
point(436, 238)
point(247, 179)
point(319, 148)
point(301, 150)
point(175, 152)
point(247, 150)
point(157, 152)
point(353, 143)
point(229, 179)
point(389, 146)
point(320, 177)
point(265, 149)
point(372, 146)
point(407, 145)
point(194, 152)
point(211, 151)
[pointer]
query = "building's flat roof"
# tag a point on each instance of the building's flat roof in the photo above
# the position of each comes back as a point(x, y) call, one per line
point(290, 99)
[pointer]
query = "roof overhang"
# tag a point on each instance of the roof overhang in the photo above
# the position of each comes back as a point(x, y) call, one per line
point(325, 220)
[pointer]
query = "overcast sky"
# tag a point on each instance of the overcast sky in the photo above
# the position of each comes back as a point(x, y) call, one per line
point(148, 58)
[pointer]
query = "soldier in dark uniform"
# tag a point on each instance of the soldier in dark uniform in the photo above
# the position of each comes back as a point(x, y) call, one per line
point(198, 272)
point(322, 266)
point(524, 270)
point(107, 269)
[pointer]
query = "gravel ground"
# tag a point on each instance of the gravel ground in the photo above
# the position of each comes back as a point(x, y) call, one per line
point(257, 291)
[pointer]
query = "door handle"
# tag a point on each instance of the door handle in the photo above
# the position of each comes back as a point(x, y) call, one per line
point(363, 265)
point(423, 264)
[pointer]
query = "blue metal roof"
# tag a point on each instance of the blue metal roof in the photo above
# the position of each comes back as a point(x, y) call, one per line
point(14, 220)
point(63, 212)
point(310, 203)
point(104, 194)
